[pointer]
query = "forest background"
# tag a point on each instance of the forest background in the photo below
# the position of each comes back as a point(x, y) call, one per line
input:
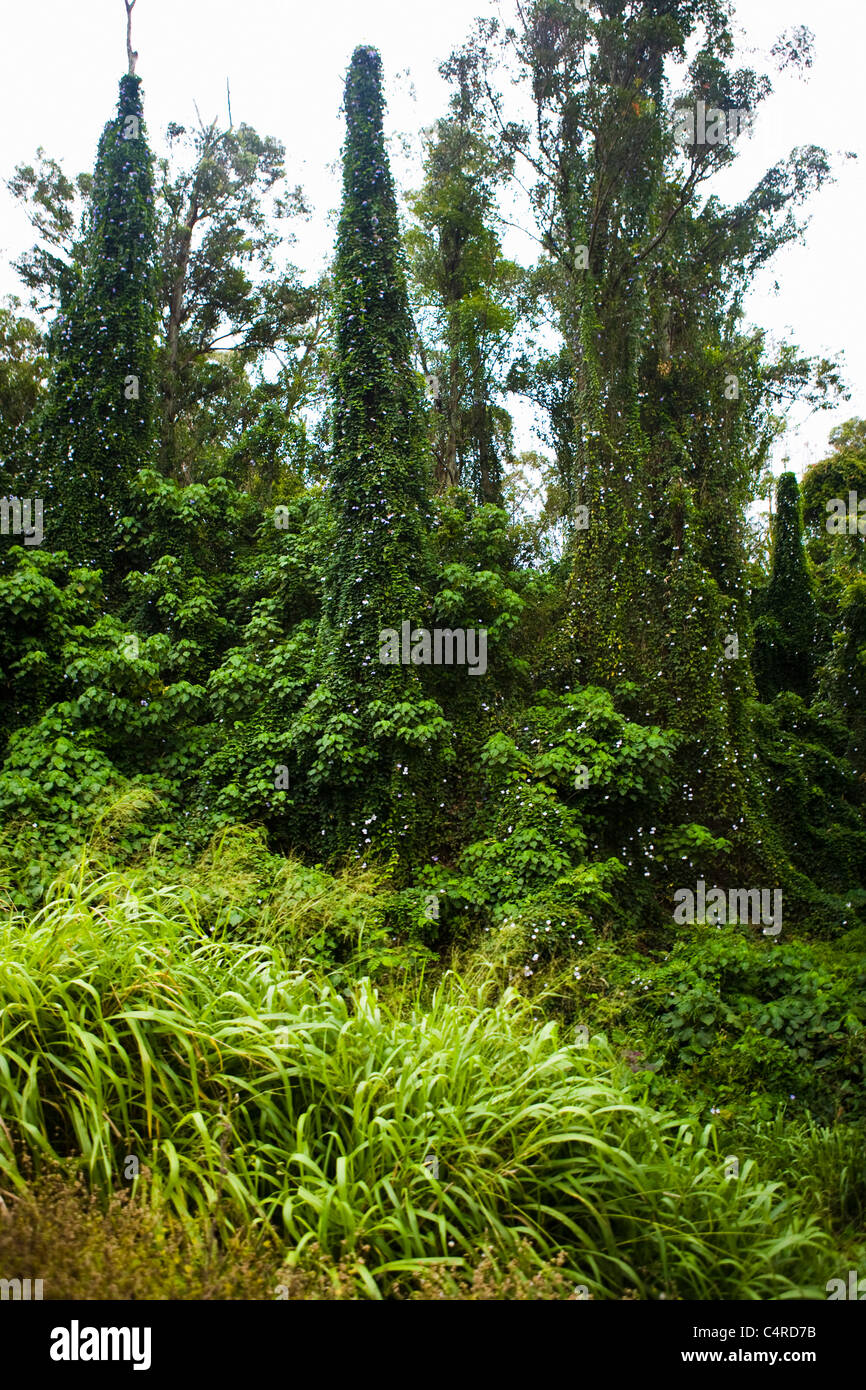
point(362, 980)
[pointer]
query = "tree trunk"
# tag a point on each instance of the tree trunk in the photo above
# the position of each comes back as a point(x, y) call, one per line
point(175, 319)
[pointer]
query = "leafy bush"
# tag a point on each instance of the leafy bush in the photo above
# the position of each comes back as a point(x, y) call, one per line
point(761, 1016)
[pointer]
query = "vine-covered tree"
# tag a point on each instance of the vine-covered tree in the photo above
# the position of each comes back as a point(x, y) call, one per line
point(97, 427)
point(228, 306)
point(366, 716)
point(834, 513)
point(669, 397)
point(786, 629)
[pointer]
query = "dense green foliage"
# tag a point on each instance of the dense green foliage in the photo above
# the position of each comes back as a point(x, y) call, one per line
point(466, 290)
point(201, 1056)
point(98, 425)
point(287, 921)
point(364, 719)
point(786, 632)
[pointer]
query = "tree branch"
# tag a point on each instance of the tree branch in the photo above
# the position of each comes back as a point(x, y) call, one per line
point(132, 56)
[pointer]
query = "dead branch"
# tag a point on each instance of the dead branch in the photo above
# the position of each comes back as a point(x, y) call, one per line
point(130, 52)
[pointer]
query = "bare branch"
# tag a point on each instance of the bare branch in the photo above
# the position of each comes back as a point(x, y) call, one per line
point(132, 56)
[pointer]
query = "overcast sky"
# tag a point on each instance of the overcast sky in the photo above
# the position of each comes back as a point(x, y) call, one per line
point(286, 61)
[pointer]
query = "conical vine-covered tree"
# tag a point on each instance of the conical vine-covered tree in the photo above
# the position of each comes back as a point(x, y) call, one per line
point(367, 716)
point(97, 427)
point(785, 631)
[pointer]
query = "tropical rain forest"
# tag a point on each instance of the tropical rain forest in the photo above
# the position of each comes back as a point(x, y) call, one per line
point(433, 868)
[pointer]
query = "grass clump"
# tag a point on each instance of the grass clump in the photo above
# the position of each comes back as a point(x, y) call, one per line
point(398, 1137)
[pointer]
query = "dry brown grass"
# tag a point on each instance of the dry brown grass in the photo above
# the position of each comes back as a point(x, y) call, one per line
point(85, 1249)
point(82, 1249)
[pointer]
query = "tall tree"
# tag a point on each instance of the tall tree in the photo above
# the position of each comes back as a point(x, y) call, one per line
point(647, 277)
point(786, 629)
point(226, 304)
point(466, 291)
point(23, 367)
point(364, 718)
point(836, 530)
point(228, 307)
point(97, 428)
point(56, 207)
point(834, 497)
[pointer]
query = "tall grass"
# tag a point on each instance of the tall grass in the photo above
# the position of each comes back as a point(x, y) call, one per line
point(827, 1164)
point(263, 1099)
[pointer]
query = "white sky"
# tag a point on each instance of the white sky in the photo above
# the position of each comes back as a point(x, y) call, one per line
point(60, 64)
